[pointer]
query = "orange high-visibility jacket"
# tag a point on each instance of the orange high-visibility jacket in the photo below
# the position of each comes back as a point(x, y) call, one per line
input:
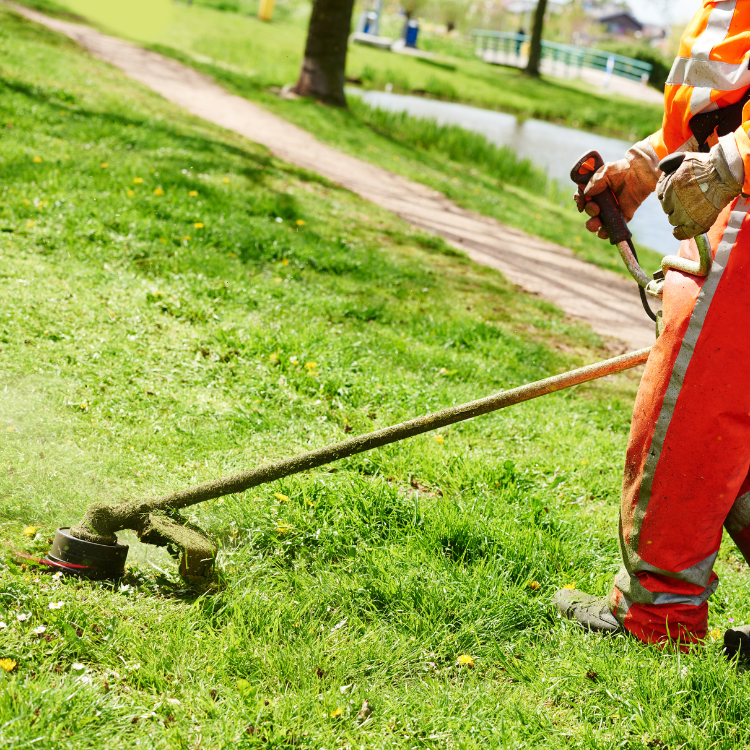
point(711, 71)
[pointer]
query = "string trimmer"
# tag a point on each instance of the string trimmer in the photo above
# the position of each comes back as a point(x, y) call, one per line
point(91, 548)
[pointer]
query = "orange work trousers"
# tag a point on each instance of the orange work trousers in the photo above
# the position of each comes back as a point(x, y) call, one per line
point(686, 468)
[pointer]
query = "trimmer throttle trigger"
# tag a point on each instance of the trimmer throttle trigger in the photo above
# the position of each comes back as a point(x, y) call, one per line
point(609, 209)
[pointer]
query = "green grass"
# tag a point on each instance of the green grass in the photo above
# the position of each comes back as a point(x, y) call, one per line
point(136, 360)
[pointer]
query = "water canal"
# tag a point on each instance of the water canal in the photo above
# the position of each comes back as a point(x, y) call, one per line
point(554, 148)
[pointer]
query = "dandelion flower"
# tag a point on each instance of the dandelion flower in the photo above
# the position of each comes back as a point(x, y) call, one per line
point(311, 365)
point(138, 180)
point(29, 531)
point(186, 237)
point(30, 223)
point(38, 631)
point(104, 165)
point(284, 528)
point(534, 585)
point(281, 497)
point(465, 660)
point(439, 439)
point(23, 616)
point(11, 428)
point(301, 222)
point(569, 586)
point(193, 193)
point(131, 193)
point(8, 664)
point(37, 160)
point(226, 179)
point(336, 713)
point(56, 605)
point(158, 191)
point(198, 225)
point(284, 262)
point(278, 280)
point(714, 634)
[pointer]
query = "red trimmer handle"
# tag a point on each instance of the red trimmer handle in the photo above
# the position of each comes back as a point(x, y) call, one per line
point(609, 208)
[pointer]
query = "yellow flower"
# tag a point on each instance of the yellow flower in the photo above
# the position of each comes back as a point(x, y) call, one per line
point(301, 222)
point(439, 439)
point(336, 713)
point(84, 406)
point(465, 660)
point(311, 365)
point(186, 237)
point(193, 193)
point(8, 664)
point(569, 586)
point(534, 585)
point(714, 634)
point(284, 528)
point(198, 225)
point(278, 280)
point(30, 223)
point(104, 165)
point(37, 159)
point(138, 180)
point(226, 179)
point(284, 262)
point(158, 191)
point(29, 531)
point(12, 428)
point(281, 497)
point(131, 193)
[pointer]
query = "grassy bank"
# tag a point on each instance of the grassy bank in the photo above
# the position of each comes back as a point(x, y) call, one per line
point(178, 305)
point(464, 166)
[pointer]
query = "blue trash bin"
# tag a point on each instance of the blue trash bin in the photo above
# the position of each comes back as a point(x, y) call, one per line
point(412, 30)
point(370, 20)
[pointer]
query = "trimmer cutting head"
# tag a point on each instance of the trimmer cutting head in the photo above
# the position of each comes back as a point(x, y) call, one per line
point(88, 559)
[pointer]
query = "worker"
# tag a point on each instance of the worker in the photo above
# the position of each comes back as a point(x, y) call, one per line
point(688, 455)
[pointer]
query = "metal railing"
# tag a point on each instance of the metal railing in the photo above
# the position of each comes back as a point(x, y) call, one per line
point(567, 54)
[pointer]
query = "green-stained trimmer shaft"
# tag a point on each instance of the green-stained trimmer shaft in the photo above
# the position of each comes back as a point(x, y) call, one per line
point(156, 520)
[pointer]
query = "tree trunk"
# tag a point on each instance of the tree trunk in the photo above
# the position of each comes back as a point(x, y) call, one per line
point(535, 51)
point(322, 73)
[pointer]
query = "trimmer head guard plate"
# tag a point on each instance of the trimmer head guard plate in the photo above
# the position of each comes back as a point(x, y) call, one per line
point(79, 557)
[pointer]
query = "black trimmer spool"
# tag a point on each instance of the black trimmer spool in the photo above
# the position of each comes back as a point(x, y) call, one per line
point(88, 559)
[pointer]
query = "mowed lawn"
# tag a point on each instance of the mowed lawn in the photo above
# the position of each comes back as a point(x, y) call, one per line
point(178, 305)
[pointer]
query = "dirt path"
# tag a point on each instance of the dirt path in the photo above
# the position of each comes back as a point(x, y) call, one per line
point(606, 301)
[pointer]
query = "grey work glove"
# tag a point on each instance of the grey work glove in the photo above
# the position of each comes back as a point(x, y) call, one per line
point(632, 180)
point(694, 194)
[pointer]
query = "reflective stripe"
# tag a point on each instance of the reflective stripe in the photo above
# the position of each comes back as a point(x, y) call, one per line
point(739, 516)
point(684, 356)
point(698, 574)
point(716, 30)
point(700, 101)
point(636, 593)
point(721, 76)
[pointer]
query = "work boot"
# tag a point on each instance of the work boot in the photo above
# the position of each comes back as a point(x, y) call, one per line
point(590, 612)
point(737, 641)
